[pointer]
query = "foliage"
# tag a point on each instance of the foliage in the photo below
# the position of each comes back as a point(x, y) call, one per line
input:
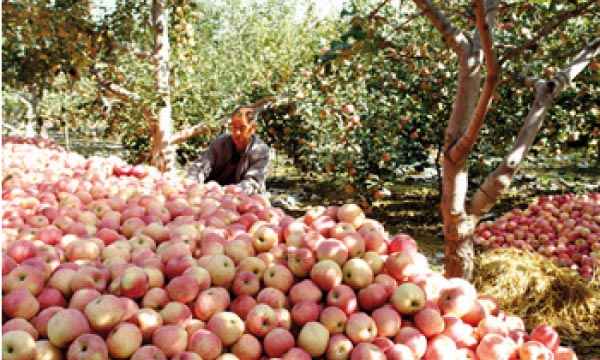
point(42, 39)
point(238, 58)
point(396, 72)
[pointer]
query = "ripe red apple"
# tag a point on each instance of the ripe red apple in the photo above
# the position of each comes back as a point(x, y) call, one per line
point(357, 273)
point(547, 335)
point(210, 302)
point(260, 320)
point(326, 274)
point(493, 346)
point(147, 320)
point(279, 277)
point(403, 243)
point(265, 238)
point(245, 283)
point(24, 277)
point(183, 288)
point(20, 303)
point(253, 264)
point(134, 282)
point(334, 319)
point(351, 213)
point(313, 338)
point(441, 347)
point(248, 347)
point(17, 345)
point(332, 249)
point(88, 346)
point(387, 320)
point(104, 312)
point(172, 339)
point(227, 325)
point(400, 352)
point(343, 297)
point(305, 311)
point(148, 352)
point(408, 298)
point(360, 327)
point(413, 338)
point(176, 313)
point(20, 250)
point(277, 342)
point(221, 269)
point(457, 298)
point(305, 290)
point(429, 321)
point(339, 347)
point(273, 297)
point(367, 351)
point(300, 261)
point(355, 244)
point(20, 324)
point(65, 326)
point(372, 296)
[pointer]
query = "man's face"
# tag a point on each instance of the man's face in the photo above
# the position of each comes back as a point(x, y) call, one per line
point(242, 127)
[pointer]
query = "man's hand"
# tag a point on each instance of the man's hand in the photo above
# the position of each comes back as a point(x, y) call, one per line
point(199, 171)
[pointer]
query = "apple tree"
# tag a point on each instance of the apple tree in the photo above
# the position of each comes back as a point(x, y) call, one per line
point(481, 89)
point(42, 39)
point(481, 56)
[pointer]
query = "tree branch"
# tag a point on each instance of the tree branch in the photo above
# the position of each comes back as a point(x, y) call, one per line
point(376, 10)
point(183, 135)
point(546, 31)
point(142, 54)
point(188, 133)
point(499, 180)
point(453, 36)
point(485, 14)
point(118, 90)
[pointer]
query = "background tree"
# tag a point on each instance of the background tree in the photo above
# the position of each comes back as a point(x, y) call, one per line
point(408, 98)
point(42, 39)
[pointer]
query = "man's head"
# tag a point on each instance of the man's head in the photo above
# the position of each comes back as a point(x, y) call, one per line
point(243, 125)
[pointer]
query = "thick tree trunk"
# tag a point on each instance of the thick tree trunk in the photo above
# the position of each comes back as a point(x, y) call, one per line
point(458, 226)
point(468, 113)
point(163, 154)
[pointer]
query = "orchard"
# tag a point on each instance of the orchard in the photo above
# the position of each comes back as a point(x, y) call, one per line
point(397, 124)
point(101, 259)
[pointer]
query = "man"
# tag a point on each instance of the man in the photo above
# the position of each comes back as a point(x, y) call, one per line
point(239, 157)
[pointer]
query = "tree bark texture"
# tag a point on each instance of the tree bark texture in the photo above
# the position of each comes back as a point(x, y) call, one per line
point(163, 154)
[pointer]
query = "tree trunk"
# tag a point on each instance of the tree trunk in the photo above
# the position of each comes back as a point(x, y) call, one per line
point(458, 226)
point(31, 114)
point(163, 154)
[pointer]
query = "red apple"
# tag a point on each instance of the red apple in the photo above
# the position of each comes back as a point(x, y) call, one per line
point(547, 335)
point(277, 342)
point(313, 338)
point(408, 298)
point(339, 347)
point(88, 346)
point(387, 320)
point(227, 325)
point(204, 343)
point(260, 320)
point(17, 345)
point(65, 326)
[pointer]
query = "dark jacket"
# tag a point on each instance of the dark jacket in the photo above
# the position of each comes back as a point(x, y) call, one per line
point(222, 163)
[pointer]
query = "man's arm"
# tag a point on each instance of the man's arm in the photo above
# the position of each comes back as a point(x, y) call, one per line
point(201, 168)
point(253, 181)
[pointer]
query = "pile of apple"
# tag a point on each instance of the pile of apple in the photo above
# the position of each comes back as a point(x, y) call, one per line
point(566, 228)
point(103, 260)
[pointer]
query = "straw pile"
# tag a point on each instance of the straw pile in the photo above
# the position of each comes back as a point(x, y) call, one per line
point(532, 287)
